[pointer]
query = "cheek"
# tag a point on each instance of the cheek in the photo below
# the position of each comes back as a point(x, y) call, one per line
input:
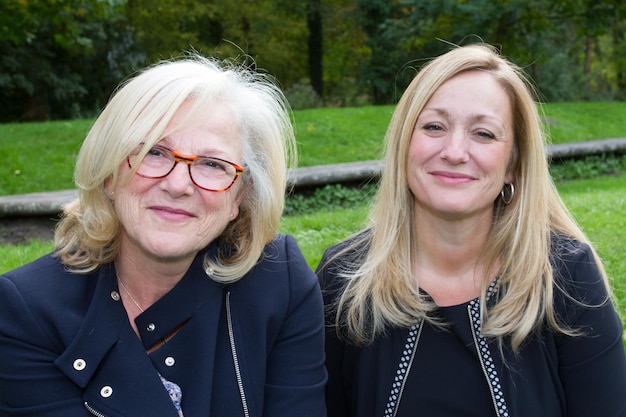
point(420, 151)
point(505, 166)
point(126, 208)
point(127, 198)
point(219, 205)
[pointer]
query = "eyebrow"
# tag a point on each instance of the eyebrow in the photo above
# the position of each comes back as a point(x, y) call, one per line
point(207, 153)
point(473, 117)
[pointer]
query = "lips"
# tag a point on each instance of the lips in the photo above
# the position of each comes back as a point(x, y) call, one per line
point(450, 177)
point(171, 212)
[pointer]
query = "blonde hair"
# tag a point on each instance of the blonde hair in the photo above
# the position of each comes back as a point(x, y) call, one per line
point(137, 115)
point(381, 291)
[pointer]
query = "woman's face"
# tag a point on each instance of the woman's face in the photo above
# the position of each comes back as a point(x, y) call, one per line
point(461, 146)
point(170, 218)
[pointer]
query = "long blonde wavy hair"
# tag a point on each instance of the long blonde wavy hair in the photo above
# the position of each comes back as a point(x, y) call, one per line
point(381, 290)
point(89, 233)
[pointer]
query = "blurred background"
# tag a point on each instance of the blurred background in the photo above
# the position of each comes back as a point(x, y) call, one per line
point(61, 59)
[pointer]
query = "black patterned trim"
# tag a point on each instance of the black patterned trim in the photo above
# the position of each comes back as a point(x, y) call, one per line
point(404, 367)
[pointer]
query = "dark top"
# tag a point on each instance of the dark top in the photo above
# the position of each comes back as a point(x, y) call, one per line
point(67, 348)
point(428, 371)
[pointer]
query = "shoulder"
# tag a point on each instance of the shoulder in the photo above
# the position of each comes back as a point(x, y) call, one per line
point(44, 296)
point(283, 256)
point(574, 263)
point(46, 276)
point(281, 273)
point(346, 254)
point(579, 282)
point(340, 259)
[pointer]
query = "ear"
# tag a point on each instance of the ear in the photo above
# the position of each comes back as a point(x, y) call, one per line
point(108, 189)
point(509, 178)
point(234, 211)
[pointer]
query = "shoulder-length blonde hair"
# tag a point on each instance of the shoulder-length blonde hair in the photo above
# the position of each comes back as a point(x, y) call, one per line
point(137, 115)
point(381, 290)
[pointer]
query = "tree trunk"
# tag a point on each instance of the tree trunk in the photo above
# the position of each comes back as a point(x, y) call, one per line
point(589, 44)
point(35, 108)
point(315, 43)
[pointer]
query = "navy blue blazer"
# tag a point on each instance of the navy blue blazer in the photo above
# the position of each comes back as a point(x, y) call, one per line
point(253, 348)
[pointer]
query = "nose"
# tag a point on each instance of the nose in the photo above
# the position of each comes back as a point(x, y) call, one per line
point(455, 147)
point(178, 182)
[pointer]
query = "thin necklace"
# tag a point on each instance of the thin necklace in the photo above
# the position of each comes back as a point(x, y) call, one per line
point(129, 294)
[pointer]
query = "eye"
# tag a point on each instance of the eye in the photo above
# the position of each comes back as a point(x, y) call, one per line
point(432, 127)
point(484, 134)
point(211, 164)
point(158, 151)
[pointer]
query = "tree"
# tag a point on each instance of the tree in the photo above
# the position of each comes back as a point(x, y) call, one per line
point(45, 49)
point(316, 40)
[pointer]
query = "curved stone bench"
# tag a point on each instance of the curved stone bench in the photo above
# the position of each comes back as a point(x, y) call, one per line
point(51, 203)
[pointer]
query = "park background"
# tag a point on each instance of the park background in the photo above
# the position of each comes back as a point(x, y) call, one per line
point(60, 59)
point(343, 64)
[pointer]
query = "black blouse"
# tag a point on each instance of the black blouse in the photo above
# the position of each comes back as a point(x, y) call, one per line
point(429, 371)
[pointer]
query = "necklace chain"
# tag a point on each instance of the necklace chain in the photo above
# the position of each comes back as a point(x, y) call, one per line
point(129, 294)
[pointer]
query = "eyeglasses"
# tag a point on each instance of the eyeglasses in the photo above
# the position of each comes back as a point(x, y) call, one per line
point(211, 174)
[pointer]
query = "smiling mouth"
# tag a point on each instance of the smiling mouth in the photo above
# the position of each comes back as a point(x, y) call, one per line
point(452, 177)
point(171, 212)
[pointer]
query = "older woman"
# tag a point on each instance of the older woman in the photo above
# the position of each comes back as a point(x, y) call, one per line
point(472, 292)
point(169, 292)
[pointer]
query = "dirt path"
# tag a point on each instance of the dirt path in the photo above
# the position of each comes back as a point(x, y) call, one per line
point(18, 230)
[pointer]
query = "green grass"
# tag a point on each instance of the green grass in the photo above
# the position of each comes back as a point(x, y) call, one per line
point(599, 206)
point(330, 136)
point(577, 122)
point(40, 156)
point(12, 256)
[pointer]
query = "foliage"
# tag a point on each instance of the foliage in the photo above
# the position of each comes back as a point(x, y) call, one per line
point(329, 197)
point(62, 58)
point(588, 167)
point(57, 54)
point(301, 95)
point(529, 32)
point(345, 54)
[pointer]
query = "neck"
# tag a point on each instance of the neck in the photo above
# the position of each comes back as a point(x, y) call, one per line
point(144, 283)
point(447, 258)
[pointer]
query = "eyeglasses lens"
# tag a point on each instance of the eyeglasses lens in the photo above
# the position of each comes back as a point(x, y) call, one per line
point(208, 173)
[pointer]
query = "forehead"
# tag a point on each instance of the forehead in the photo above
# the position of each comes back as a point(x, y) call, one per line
point(473, 91)
point(207, 128)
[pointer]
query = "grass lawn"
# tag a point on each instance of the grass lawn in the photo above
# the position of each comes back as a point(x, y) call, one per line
point(40, 156)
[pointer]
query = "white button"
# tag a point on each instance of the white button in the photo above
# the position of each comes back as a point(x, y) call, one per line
point(80, 364)
point(151, 327)
point(169, 361)
point(106, 391)
point(115, 295)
